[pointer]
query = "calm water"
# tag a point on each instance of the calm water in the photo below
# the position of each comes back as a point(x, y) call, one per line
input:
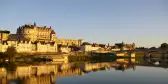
point(121, 71)
point(142, 75)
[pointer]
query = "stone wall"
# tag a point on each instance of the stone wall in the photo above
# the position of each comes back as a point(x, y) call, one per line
point(28, 46)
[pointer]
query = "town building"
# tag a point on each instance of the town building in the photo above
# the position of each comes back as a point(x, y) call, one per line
point(69, 42)
point(64, 49)
point(123, 46)
point(87, 47)
point(4, 35)
point(115, 48)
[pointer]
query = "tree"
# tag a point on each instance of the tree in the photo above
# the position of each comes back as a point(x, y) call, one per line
point(10, 53)
point(2, 56)
point(154, 48)
point(164, 46)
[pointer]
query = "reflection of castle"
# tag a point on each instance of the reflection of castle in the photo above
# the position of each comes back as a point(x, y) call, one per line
point(43, 79)
point(38, 74)
point(47, 73)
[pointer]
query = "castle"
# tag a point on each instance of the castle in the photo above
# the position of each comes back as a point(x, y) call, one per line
point(35, 33)
point(32, 38)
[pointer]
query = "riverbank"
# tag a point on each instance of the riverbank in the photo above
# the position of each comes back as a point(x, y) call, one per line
point(79, 56)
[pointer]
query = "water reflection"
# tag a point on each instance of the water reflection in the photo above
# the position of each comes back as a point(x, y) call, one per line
point(47, 73)
point(154, 62)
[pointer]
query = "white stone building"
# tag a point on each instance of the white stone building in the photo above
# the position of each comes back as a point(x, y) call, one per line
point(29, 46)
point(88, 48)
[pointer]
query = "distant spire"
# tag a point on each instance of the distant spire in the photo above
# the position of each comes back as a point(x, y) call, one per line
point(122, 42)
point(34, 23)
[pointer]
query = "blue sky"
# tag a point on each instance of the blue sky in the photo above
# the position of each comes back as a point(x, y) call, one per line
point(144, 22)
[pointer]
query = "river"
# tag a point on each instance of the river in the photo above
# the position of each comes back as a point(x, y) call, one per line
point(120, 71)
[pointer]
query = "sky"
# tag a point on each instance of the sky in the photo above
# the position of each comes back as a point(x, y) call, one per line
point(144, 22)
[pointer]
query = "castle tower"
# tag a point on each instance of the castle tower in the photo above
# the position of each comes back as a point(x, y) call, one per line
point(53, 36)
point(34, 23)
point(80, 42)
